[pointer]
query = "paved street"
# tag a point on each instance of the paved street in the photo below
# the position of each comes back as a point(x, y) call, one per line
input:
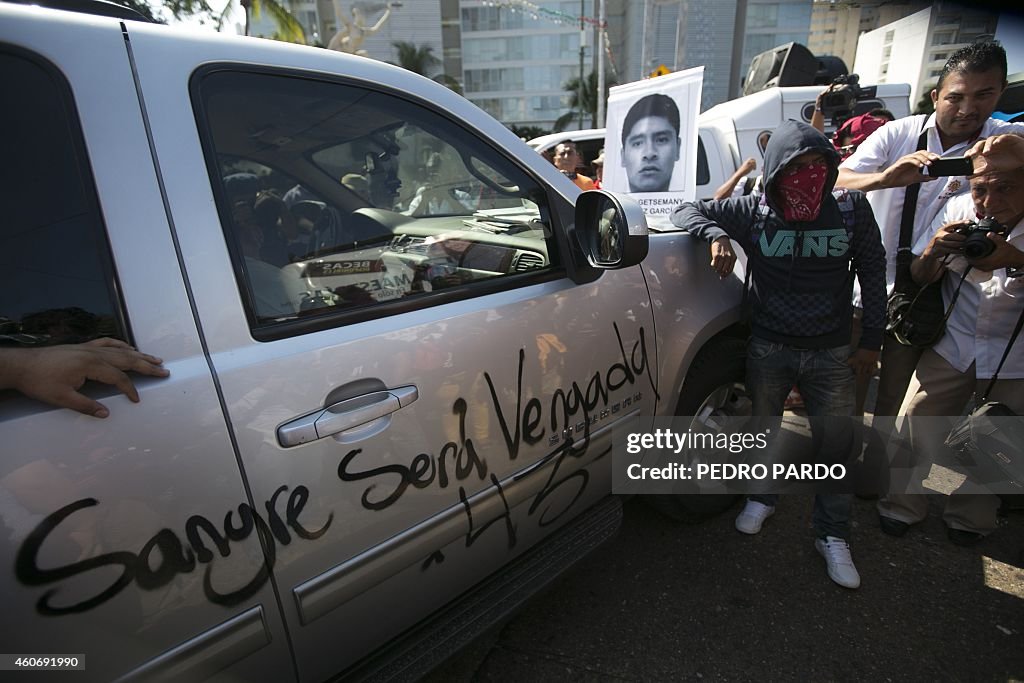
point(670, 601)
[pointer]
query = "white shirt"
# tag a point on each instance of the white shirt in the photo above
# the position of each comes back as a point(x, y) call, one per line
point(739, 190)
point(990, 302)
point(882, 149)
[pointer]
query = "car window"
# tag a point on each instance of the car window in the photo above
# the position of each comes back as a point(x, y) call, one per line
point(336, 198)
point(56, 279)
point(703, 171)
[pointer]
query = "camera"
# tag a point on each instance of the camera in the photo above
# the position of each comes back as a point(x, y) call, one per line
point(978, 245)
point(841, 101)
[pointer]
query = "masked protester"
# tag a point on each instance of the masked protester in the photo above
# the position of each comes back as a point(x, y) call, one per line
point(800, 238)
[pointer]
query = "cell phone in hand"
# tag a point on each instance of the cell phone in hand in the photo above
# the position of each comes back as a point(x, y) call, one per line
point(949, 166)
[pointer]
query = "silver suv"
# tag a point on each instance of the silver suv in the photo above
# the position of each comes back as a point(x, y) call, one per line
point(398, 342)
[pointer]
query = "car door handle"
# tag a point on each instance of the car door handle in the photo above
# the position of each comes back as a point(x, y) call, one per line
point(345, 415)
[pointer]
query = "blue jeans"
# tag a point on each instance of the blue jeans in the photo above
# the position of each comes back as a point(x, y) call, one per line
point(828, 388)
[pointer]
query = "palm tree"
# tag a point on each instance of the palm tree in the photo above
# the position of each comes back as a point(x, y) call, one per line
point(417, 59)
point(421, 60)
point(584, 100)
point(925, 104)
point(288, 27)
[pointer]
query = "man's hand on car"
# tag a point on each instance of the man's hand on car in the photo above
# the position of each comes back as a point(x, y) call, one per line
point(54, 374)
point(723, 258)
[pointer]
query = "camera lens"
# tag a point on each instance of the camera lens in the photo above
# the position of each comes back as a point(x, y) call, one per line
point(978, 245)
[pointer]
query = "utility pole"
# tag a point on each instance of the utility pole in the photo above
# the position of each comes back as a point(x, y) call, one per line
point(583, 45)
point(680, 35)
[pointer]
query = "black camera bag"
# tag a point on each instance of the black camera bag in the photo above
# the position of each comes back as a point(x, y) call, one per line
point(915, 315)
point(989, 441)
point(991, 438)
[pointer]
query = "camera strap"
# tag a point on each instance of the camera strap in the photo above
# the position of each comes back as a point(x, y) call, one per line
point(903, 253)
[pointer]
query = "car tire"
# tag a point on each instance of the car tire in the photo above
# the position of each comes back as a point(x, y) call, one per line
point(715, 382)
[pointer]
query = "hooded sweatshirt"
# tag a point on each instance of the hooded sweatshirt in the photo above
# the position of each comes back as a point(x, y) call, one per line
point(801, 276)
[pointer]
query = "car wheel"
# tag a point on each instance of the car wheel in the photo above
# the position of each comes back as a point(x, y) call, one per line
point(714, 388)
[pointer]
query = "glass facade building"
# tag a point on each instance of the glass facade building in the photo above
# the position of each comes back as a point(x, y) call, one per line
point(516, 62)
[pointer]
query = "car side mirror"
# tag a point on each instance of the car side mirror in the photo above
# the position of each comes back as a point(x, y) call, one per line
point(610, 229)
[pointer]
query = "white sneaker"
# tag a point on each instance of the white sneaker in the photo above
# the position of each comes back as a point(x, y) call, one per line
point(750, 520)
point(837, 556)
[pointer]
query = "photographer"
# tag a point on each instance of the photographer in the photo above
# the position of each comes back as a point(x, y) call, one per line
point(888, 166)
point(977, 333)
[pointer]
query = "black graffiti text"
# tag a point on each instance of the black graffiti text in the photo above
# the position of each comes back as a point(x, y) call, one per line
point(164, 556)
point(422, 470)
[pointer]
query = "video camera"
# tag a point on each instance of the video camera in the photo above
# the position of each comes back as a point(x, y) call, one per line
point(841, 101)
point(978, 245)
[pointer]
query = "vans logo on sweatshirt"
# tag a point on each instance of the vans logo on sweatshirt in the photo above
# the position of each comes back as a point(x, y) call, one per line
point(814, 243)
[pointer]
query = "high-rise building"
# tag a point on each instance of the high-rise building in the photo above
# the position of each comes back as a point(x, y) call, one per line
point(836, 25)
point(723, 36)
point(768, 24)
point(914, 49)
point(514, 57)
point(710, 36)
point(678, 34)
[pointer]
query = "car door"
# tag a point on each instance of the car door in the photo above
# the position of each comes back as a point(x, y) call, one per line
point(435, 395)
point(128, 544)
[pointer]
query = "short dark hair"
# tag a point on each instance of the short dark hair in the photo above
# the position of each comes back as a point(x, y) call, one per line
point(883, 114)
point(569, 143)
point(975, 58)
point(651, 105)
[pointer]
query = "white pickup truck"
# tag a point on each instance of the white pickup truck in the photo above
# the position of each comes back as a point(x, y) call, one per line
point(398, 343)
point(728, 133)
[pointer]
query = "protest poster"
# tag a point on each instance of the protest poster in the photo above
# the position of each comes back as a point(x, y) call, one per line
point(650, 145)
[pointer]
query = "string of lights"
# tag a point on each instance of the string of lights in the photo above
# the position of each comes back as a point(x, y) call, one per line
point(608, 52)
point(537, 12)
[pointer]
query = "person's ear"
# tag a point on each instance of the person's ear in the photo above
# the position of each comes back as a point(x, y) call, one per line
point(935, 96)
point(679, 145)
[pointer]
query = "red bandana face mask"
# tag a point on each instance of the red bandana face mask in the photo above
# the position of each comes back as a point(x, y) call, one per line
point(801, 191)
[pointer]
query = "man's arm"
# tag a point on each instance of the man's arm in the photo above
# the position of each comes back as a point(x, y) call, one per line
point(54, 374)
point(868, 256)
point(930, 264)
point(906, 171)
point(716, 222)
point(818, 117)
point(725, 191)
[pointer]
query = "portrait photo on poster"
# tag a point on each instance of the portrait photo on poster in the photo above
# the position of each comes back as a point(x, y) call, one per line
point(651, 139)
point(650, 143)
